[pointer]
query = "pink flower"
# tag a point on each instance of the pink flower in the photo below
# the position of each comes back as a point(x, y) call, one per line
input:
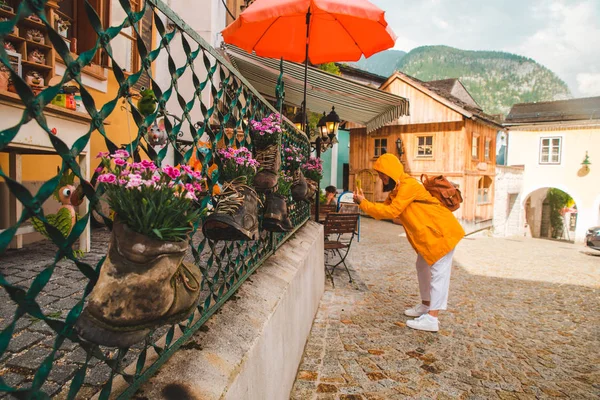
point(148, 164)
point(191, 196)
point(156, 178)
point(172, 172)
point(121, 154)
point(107, 178)
point(189, 187)
point(120, 162)
point(125, 172)
point(99, 169)
point(149, 183)
point(197, 174)
point(103, 154)
point(187, 169)
point(122, 182)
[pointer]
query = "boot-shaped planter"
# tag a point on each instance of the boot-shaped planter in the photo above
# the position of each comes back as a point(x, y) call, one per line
point(311, 190)
point(235, 215)
point(143, 284)
point(270, 163)
point(275, 218)
point(299, 186)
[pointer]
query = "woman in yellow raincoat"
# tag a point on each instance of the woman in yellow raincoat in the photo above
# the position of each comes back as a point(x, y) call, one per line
point(431, 229)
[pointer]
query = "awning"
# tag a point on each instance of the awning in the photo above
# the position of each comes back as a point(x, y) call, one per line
point(354, 102)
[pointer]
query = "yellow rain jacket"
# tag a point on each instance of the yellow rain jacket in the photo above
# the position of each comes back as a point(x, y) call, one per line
point(431, 228)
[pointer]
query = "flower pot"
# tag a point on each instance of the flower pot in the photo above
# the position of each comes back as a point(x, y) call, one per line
point(235, 216)
point(275, 218)
point(311, 189)
point(268, 173)
point(143, 284)
point(299, 186)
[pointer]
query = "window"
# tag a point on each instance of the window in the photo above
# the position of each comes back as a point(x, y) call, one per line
point(123, 45)
point(484, 190)
point(488, 144)
point(380, 147)
point(550, 150)
point(424, 146)
point(475, 146)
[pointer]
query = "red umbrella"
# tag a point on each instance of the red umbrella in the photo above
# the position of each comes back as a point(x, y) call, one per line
point(337, 30)
point(318, 31)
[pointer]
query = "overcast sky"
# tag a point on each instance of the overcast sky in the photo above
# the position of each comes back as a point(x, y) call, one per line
point(563, 35)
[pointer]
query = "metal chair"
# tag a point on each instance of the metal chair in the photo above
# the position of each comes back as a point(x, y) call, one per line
point(339, 224)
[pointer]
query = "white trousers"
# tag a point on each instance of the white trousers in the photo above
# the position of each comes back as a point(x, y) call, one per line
point(434, 281)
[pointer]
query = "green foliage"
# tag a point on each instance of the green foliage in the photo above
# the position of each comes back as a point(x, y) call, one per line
point(284, 184)
point(557, 200)
point(331, 68)
point(154, 213)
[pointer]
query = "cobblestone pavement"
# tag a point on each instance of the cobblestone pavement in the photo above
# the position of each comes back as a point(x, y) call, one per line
point(33, 339)
point(523, 322)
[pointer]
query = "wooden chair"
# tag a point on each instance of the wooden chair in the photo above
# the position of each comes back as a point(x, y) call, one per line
point(323, 211)
point(339, 224)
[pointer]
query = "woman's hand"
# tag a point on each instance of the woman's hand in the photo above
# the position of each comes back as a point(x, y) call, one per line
point(358, 196)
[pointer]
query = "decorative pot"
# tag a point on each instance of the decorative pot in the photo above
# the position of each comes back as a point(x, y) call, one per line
point(143, 284)
point(235, 214)
point(299, 186)
point(269, 159)
point(276, 218)
point(311, 189)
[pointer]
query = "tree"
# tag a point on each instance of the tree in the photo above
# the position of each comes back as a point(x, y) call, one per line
point(332, 68)
point(557, 199)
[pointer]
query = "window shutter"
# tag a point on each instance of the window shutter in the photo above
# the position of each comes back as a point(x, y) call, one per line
point(146, 38)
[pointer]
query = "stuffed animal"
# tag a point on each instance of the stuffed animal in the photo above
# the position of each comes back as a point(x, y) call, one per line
point(157, 135)
point(147, 103)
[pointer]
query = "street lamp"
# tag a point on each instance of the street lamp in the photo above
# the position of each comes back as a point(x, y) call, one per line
point(327, 129)
point(300, 119)
point(399, 148)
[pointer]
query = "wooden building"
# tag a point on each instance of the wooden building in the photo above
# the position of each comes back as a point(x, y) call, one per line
point(446, 133)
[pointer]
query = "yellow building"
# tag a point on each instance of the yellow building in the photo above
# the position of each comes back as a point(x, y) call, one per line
point(30, 157)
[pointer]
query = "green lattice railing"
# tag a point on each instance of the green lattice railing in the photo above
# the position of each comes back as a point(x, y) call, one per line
point(201, 94)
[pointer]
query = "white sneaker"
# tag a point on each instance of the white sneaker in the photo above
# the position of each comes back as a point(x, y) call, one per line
point(424, 323)
point(417, 310)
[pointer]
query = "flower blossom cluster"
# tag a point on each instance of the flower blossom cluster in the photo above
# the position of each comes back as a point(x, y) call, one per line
point(241, 157)
point(313, 168)
point(120, 174)
point(267, 126)
point(293, 157)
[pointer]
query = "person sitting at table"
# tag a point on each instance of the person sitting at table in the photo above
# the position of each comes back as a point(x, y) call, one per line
point(330, 193)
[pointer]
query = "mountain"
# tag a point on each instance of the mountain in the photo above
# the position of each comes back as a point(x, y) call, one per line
point(383, 63)
point(496, 80)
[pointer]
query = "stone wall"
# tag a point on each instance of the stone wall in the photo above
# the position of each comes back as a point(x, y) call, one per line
point(509, 214)
point(252, 347)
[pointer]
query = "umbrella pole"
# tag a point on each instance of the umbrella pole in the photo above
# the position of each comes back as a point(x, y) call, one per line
point(305, 119)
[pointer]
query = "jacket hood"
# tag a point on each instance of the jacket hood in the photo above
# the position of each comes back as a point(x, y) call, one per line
point(390, 165)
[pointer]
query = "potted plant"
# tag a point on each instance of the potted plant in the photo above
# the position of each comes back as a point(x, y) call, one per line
point(144, 282)
point(294, 160)
point(265, 135)
point(275, 217)
point(236, 206)
point(313, 171)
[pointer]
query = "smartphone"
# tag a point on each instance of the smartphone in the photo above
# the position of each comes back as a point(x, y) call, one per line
point(358, 187)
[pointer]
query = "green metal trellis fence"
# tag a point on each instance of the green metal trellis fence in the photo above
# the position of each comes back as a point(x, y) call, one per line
point(219, 98)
